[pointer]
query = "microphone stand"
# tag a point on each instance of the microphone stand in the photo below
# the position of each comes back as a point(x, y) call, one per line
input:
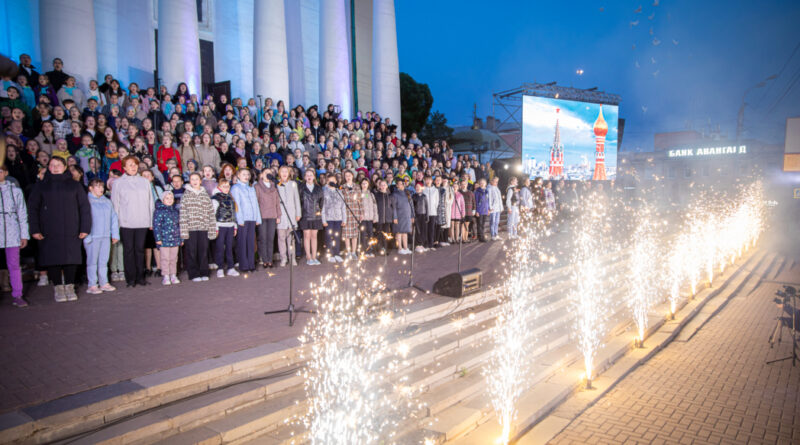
point(290, 253)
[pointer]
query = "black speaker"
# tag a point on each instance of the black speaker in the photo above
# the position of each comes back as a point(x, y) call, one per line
point(457, 285)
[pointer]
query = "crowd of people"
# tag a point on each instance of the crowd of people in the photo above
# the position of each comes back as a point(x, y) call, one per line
point(134, 182)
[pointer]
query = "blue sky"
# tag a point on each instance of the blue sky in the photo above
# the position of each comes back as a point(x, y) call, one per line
point(692, 70)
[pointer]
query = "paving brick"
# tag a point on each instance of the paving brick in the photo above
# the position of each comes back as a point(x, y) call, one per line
point(714, 388)
point(101, 340)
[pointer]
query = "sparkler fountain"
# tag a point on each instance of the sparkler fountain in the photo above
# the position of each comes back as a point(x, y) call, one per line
point(350, 399)
point(643, 273)
point(508, 371)
point(589, 298)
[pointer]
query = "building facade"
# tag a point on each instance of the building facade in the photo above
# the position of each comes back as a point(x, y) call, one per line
point(686, 161)
point(342, 52)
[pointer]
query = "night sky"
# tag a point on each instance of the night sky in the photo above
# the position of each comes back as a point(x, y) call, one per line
point(692, 70)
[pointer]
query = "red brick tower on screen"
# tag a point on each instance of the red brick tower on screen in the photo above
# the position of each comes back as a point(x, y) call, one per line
point(600, 132)
point(556, 169)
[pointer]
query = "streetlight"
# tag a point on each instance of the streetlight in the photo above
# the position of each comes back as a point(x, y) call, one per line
point(740, 120)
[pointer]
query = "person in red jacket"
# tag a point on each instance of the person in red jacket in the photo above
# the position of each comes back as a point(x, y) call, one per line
point(166, 152)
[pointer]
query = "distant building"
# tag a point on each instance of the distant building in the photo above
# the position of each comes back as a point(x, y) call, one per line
point(685, 161)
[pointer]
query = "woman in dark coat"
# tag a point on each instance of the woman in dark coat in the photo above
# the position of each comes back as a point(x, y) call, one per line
point(60, 217)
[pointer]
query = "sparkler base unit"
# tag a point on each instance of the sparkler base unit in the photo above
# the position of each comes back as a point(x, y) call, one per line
point(457, 285)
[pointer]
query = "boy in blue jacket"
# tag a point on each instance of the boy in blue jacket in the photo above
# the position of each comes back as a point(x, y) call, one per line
point(105, 231)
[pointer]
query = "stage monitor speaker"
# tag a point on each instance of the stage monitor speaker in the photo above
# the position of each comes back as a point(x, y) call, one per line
point(457, 285)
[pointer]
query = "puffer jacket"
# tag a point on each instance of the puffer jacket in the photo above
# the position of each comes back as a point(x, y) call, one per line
point(312, 202)
point(246, 203)
point(166, 225)
point(333, 208)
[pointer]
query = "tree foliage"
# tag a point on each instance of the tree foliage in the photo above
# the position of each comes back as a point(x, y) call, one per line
point(416, 100)
point(436, 128)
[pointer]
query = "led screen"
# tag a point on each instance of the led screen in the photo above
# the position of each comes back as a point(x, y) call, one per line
point(566, 139)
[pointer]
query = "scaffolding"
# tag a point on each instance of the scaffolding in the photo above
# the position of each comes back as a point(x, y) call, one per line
point(508, 103)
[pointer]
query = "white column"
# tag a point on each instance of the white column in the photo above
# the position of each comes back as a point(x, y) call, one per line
point(138, 54)
point(20, 23)
point(270, 58)
point(67, 31)
point(105, 16)
point(233, 46)
point(335, 86)
point(385, 65)
point(178, 44)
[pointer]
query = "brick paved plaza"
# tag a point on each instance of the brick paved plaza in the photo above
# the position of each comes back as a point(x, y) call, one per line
point(713, 388)
point(53, 349)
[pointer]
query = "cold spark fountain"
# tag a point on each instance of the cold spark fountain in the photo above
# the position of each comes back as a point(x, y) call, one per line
point(643, 274)
point(350, 400)
point(589, 297)
point(508, 370)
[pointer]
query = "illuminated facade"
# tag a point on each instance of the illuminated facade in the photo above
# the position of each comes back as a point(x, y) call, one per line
point(342, 52)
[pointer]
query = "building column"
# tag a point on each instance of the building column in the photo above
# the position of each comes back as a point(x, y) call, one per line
point(138, 54)
point(66, 29)
point(385, 65)
point(105, 14)
point(270, 57)
point(335, 86)
point(179, 45)
point(233, 46)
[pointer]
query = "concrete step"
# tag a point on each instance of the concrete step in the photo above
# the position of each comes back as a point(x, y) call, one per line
point(273, 415)
point(192, 412)
point(78, 413)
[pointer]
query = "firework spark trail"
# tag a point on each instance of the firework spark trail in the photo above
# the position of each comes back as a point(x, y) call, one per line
point(589, 298)
point(508, 371)
point(350, 400)
point(677, 271)
point(643, 274)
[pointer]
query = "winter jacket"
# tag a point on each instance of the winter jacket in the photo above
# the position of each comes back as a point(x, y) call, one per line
point(525, 198)
point(482, 201)
point(386, 206)
point(420, 205)
point(59, 209)
point(370, 207)
point(432, 195)
point(290, 209)
point(224, 209)
point(246, 203)
point(333, 208)
point(197, 213)
point(132, 197)
point(268, 203)
point(208, 156)
point(166, 225)
point(495, 199)
point(402, 211)
point(312, 202)
point(14, 212)
point(512, 198)
point(458, 209)
point(104, 219)
point(469, 203)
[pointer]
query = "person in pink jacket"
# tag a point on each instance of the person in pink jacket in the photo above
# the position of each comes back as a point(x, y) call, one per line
point(457, 215)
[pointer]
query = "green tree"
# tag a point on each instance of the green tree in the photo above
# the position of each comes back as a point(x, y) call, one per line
point(436, 128)
point(416, 100)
